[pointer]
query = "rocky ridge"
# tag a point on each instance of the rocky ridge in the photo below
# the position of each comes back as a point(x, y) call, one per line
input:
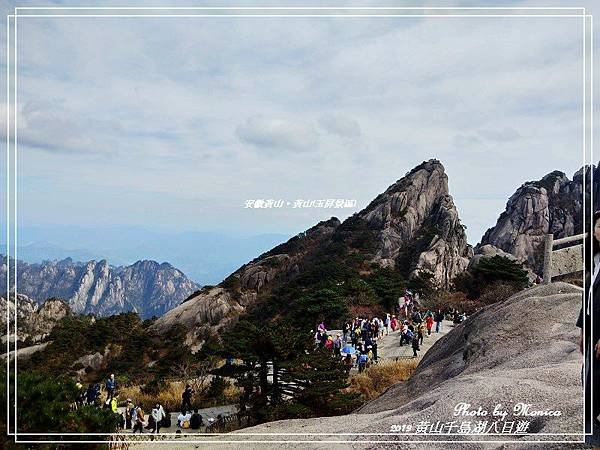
point(34, 322)
point(95, 287)
point(413, 226)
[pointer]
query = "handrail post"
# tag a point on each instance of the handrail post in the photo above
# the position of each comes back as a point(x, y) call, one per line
point(548, 244)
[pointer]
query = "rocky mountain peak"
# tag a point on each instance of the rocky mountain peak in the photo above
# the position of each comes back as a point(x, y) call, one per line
point(412, 227)
point(33, 321)
point(419, 227)
point(552, 205)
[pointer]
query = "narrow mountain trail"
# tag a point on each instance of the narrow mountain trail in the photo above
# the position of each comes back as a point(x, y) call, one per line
point(388, 348)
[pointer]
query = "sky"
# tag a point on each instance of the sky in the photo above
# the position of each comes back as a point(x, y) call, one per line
point(174, 123)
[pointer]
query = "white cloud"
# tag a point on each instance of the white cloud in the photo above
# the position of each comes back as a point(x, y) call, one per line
point(506, 134)
point(340, 125)
point(277, 134)
point(50, 127)
point(180, 102)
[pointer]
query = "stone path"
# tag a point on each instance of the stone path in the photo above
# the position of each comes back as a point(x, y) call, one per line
point(389, 346)
point(206, 413)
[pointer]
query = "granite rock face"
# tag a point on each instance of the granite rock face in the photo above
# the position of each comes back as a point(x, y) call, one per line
point(214, 308)
point(418, 223)
point(33, 321)
point(553, 205)
point(146, 287)
point(473, 364)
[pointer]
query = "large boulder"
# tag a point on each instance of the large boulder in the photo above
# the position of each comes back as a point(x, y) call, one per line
point(521, 350)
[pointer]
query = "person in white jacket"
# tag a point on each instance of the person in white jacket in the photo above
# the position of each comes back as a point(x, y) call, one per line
point(158, 414)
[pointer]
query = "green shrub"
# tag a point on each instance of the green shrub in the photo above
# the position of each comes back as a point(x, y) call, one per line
point(44, 405)
point(488, 274)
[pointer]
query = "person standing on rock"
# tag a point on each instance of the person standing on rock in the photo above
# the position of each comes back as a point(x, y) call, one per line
point(362, 361)
point(374, 349)
point(345, 329)
point(337, 345)
point(394, 323)
point(589, 341)
point(420, 334)
point(139, 420)
point(186, 398)
point(416, 317)
point(156, 418)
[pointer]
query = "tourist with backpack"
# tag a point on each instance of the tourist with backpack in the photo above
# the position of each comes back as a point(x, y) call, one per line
point(139, 420)
point(195, 420)
point(416, 317)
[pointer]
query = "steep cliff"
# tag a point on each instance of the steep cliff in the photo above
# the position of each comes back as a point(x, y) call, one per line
point(418, 225)
point(553, 204)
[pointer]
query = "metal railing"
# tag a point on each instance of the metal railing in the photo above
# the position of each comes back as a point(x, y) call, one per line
point(564, 260)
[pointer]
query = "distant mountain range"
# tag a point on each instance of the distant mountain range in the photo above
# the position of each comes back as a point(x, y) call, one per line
point(95, 287)
point(205, 257)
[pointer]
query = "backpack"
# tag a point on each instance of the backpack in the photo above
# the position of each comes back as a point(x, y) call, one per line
point(185, 424)
point(166, 421)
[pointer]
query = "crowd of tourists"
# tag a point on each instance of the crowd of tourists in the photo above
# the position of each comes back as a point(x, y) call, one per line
point(357, 343)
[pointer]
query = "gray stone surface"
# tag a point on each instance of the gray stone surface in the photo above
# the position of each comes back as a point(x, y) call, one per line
point(523, 349)
point(33, 321)
point(553, 205)
point(415, 203)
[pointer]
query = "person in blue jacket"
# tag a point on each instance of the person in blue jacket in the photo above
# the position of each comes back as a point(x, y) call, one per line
point(111, 386)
